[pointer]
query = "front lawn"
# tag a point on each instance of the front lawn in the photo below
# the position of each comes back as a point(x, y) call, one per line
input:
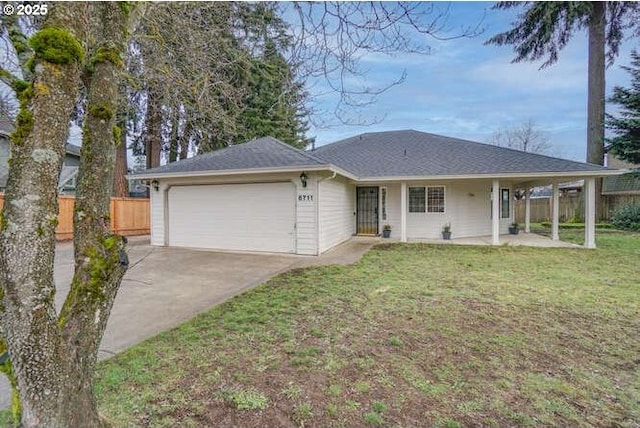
point(412, 335)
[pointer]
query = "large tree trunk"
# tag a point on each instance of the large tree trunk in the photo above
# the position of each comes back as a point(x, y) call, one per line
point(184, 140)
point(596, 91)
point(153, 141)
point(27, 241)
point(120, 184)
point(173, 139)
point(53, 356)
point(100, 260)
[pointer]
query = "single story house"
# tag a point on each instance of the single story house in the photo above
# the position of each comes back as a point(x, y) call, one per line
point(264, 195)
point(70, 163)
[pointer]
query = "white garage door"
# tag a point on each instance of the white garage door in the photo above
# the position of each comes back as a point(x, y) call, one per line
point(246, 217)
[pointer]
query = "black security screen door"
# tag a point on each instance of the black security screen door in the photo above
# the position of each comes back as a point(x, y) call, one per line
point(367, 200)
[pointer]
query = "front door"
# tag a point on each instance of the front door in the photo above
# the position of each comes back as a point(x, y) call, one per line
point(367, 210)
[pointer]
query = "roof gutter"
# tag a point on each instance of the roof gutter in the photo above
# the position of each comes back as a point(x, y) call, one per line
point(516, 175)
point(217, 173)
point(337, 170)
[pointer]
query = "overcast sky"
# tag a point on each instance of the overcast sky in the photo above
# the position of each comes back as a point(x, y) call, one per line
point(468, 90)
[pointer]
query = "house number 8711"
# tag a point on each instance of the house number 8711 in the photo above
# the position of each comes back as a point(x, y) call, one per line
point(305, 198)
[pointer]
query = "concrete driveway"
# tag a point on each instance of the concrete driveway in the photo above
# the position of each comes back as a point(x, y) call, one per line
point(167, 286)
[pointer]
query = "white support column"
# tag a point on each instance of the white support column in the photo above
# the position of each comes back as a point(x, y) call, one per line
point(495, 213)
point(555, 211)
point(590, 212)
point(527, 210)
point(403, 212)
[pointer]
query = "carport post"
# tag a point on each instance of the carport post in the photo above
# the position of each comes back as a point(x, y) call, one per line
point(555, 213)
point(590, 212)
point(495, 210)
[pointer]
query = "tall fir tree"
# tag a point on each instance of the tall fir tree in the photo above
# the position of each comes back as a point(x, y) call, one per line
point(626, 126)
point(274, 105)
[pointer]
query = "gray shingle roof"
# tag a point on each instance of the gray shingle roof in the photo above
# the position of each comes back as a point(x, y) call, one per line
point(626, 183)
point(413, 153)
point(381, 154)
point(265, 152)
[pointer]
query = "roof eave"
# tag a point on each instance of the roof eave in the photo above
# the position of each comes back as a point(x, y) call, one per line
point(217, 173)
point(513, 175)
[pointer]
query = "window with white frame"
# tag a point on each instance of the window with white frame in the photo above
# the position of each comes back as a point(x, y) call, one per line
point(417, 200)
point(435, 199)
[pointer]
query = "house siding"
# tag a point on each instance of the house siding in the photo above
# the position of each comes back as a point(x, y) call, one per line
point(306, 217)
point(336, 212)
point(467, 208)
point(392, 209)
point(157, 206)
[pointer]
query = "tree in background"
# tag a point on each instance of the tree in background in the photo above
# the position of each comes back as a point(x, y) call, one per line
point(208, 78)
point(525, 137)
point(254, 88)
point(626, 126)
point(52, 355)
point(545, 28)
point(274, 102)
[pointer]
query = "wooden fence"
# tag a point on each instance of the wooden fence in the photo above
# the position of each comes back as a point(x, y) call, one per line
point(572, 207)
point(129, 216)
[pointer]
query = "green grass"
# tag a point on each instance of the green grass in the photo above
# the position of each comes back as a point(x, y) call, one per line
point(413, 334)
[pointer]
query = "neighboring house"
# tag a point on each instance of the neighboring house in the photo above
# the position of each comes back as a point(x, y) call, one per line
point(267, 196)
point(68, 174)
point(625, 184)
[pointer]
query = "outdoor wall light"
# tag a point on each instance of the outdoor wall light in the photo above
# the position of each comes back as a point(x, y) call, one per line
point(303, 179)
point(156, 185)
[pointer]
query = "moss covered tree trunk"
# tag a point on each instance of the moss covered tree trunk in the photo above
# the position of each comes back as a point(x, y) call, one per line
point(53, 355)
point(100, 260)
point(27, 241)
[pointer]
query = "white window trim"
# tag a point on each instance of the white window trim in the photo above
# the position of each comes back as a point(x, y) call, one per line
point(426, 199)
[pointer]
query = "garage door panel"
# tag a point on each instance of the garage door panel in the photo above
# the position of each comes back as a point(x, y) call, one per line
point(246, 217)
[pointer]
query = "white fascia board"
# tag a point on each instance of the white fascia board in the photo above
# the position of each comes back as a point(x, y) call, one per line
point(518, 175)
point(217, 173)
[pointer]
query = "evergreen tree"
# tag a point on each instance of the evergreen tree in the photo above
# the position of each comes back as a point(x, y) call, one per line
point(274, 105)
point(545, 28)
point(626, 144)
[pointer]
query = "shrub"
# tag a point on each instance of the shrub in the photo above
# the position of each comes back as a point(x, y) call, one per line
point(577, 225)
point(627, 217)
